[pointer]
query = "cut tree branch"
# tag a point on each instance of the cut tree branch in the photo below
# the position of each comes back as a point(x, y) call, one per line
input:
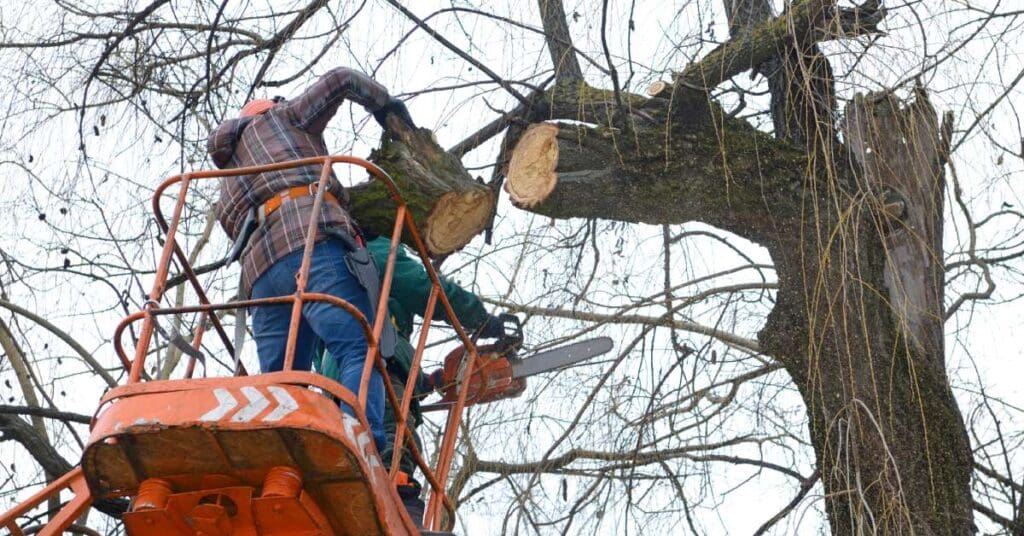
point(736, 179)
point(448, 205)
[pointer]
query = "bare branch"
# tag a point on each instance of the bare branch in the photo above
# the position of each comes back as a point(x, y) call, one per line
point(559, 40)
point(461, 53)
point(62, 335)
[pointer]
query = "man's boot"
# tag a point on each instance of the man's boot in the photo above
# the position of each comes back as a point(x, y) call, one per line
point(409, 491)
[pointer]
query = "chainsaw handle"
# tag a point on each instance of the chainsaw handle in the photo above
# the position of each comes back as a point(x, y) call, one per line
point(513, 328)
point(434, 381)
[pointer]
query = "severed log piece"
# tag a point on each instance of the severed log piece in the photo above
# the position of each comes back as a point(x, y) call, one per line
point(447, 204)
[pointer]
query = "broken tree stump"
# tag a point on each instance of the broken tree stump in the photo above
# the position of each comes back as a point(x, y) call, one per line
point(447, 204)
point(900, 150)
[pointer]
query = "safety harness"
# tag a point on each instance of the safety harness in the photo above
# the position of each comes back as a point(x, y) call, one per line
point(357, 258)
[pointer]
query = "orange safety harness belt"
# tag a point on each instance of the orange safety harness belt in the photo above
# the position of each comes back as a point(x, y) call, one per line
point(295, 192)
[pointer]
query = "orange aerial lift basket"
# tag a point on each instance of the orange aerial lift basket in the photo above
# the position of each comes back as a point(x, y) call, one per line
point(267, 454)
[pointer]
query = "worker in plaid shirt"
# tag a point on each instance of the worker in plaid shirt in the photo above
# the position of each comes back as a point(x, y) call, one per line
point(269, 131)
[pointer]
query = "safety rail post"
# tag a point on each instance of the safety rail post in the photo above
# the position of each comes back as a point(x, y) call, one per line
point(307, 258)
point(382, 305)
point(65, 516)
point(186, 267)
point(146, 334)
point(447, 450)
point(410, 386)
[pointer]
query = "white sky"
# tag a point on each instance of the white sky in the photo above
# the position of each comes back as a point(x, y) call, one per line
point(135, 162)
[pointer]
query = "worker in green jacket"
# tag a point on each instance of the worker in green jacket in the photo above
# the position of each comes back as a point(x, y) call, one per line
point(410, 291)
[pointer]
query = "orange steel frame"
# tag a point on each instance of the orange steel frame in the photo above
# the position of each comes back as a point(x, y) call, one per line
point(206, 309)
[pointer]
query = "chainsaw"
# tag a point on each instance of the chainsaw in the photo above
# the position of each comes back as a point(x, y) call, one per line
point(498, 371)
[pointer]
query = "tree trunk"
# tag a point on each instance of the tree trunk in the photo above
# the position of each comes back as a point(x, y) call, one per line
point(858, 315)
point(447, 204)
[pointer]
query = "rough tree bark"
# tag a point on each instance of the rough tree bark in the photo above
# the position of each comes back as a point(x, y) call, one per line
point(858, 317)
point(448, 205)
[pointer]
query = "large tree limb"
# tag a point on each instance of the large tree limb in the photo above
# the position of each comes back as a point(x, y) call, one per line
point(737, 180)
point(806, 20)
point(448, 205)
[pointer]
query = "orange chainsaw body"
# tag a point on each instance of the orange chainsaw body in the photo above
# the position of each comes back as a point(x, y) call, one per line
point(490, 380)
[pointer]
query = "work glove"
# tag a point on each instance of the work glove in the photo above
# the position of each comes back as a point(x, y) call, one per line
point(394, 106)
point(493, 328)
point(506, 327)
point(434, 380)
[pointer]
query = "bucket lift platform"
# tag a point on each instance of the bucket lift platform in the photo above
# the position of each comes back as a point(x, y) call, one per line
point(257, 453)
point(271, 454)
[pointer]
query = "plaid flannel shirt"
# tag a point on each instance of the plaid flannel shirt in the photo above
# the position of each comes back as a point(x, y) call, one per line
point(288, 131)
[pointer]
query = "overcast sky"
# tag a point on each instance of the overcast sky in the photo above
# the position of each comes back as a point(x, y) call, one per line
point(53, 207)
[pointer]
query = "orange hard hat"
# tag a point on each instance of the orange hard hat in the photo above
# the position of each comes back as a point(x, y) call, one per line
point(256, 107)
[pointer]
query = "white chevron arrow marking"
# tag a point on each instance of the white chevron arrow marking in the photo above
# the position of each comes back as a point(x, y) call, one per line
point(363, 441)
point(285, 404)
point(225, 403)
point(257, 403)
point(348, 424)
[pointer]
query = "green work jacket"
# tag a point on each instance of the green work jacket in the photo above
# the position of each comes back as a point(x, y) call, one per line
point(410, 291)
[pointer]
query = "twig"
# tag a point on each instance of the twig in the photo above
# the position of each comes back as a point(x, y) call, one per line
point(461, 53)
point(62, 335)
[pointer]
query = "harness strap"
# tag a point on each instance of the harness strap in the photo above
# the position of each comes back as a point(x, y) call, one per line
point(295, 192)
point(239, 336)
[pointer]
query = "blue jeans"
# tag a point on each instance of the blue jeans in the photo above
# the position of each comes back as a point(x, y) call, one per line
point(320, 321)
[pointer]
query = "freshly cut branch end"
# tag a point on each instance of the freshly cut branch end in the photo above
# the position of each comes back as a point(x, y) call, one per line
point(660, 88)
point(531, 171)
point(456, 218)
point(449, 206)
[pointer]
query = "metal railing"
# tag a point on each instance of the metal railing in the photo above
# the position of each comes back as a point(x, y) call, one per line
point(206, 309)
